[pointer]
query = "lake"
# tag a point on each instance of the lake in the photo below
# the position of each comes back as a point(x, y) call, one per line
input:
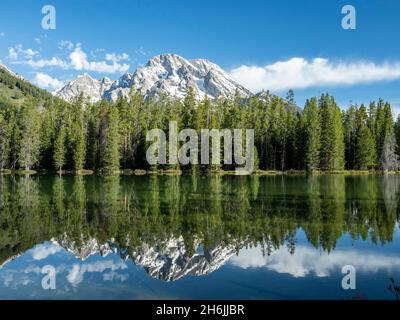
point(167, 237)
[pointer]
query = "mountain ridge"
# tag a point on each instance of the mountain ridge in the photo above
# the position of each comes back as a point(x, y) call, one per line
point(168, 74)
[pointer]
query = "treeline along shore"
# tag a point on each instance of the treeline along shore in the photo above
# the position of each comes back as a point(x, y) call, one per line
point(46, 134)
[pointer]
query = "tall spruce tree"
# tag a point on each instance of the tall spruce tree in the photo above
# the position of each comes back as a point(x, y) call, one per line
point(386, 138)
point(313, 134)
point(379, 128)
point(350, 133)
point(77, 136)
point(397, 133)
point(29, 136)
point(332, 139)
point(365, 148)
point(111, 156)
point(5, 139)
point(60, 149)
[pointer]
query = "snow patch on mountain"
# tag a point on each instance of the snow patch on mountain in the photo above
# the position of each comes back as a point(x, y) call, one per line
point(168, 74)
point(85, 85)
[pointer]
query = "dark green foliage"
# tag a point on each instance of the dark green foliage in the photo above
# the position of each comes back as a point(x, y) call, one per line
point(312, 134)
point(332, 139)
point(107, 137)
point(365, 154)
point(231, 211)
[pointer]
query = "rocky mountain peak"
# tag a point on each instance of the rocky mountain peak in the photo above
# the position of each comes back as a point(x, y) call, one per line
point(168, 74)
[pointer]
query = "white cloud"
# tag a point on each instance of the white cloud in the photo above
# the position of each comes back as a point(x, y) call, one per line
point(41, 63)
point(45, 81)
point(112, 275)
point(299, 73)
point(117, 57)
point(38, 40)
point(66, 44)
point(29, 52)
point(142, 51)
point(76, 274)
point(306, 260)
point(15, 52)
point(79, 61)
point(12, 54)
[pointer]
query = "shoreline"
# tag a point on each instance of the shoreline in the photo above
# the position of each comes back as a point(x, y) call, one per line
point(173, 172)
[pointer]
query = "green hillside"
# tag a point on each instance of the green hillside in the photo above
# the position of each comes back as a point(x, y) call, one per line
point(14, 90)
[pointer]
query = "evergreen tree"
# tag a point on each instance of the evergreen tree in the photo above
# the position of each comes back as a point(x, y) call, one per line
point(313, 134)
point(29, 139)
point(350, 132)
point(397, 133)
point(365, 147)
point(290, 98)
point(386, 136)
point(332, 140)
point(5, 138)
point(379, 128)
point(111, 157)
point(77, 136)
point(59, 149)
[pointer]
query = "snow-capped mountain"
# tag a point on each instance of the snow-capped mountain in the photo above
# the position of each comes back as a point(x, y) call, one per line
point(164, 74)
point(87, 86)
point(168, 260)
point(4, 67)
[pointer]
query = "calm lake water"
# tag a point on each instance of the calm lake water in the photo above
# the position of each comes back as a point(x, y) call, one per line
point(199, 237)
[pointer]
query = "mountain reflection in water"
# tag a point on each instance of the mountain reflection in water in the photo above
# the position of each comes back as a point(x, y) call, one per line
point(236, 230)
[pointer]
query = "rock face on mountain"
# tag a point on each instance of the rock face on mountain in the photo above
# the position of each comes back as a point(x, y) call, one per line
point(167, 74)
point(90, 88)
point(169, 260)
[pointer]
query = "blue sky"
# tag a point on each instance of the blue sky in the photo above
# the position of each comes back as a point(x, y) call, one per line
point(262, 44)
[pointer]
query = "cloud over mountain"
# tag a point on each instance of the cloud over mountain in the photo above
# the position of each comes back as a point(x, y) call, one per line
point(300, 73)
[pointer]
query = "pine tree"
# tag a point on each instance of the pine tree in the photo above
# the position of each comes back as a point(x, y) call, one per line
point(386, 136)
point(29, 138)
point(313, 134)
point(59, 149)
point(379, 128)
point(5, 139)
point(290, 98)
point(111, 157)
point(339, 161)
point(125, 131)
point(80, 151)
point(189, 108)
point(365, 148)
point(397, 133)
point(77, 137)
point(350, 132)
point(47, 133)
point(93, 136)
point(291, 147)
point(332, 139)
